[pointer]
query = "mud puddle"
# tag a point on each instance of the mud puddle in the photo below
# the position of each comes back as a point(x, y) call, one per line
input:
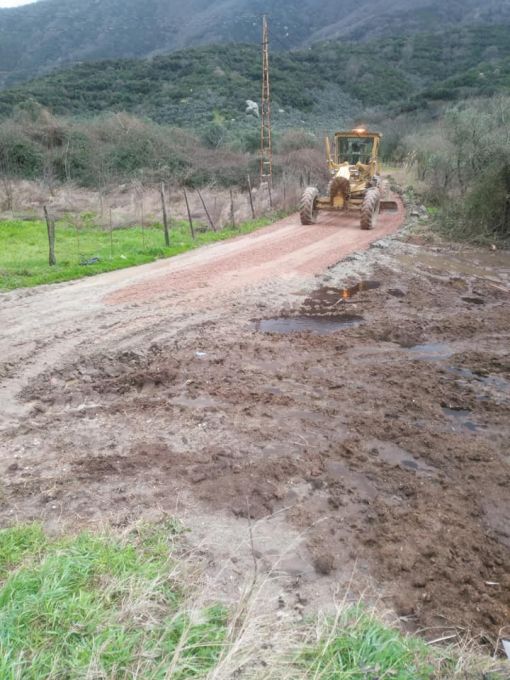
point(320, 325)
point(431, 351)
point(473, 300)
point(494, 383)
point(399, 457)
point(319, 312)
point(461, 417)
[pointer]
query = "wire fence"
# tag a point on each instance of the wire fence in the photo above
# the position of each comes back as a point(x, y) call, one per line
point(151, 220)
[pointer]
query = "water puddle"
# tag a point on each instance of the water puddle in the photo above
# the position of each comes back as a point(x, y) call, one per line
point(396, 292)
point(360, 287)
point(474, 300)
point(461, 416)
point(320, 325)
point(493, 383)
point(431, 351)
point(321, 312)
point(356, 480)
point(394, 455)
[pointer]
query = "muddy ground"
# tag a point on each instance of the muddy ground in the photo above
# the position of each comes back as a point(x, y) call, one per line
point(369, 453)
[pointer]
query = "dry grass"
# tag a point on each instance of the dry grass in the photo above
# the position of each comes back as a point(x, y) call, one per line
point(131, 203)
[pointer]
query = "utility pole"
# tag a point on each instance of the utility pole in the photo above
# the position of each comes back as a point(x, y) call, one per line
point(266, 146)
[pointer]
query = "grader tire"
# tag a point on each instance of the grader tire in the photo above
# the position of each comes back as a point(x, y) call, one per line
point(308, 207)
point(370, 209)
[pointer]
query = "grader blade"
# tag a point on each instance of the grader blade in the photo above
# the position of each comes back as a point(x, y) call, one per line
point(388, 206)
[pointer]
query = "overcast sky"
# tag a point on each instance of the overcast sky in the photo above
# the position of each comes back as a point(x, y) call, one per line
point(14, 3)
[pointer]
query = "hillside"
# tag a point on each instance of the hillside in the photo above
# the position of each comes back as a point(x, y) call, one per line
point(333, 79)
point(51, 34)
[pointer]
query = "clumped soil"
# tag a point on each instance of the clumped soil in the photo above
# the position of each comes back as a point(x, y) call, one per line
point(385, 442)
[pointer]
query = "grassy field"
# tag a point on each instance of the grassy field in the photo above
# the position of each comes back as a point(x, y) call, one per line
point(89, 250)
point(109, 606)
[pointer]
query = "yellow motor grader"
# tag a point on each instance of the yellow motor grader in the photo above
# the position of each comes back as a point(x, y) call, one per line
point(355, 182)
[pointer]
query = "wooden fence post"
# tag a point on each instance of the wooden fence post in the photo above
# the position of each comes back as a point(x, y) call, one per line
point(143, 220)
point(232, 213)
point(189, 214)
point(50, 224)
point(165, 218)
point(209, 218)
point(251, 197)
point(111, 235)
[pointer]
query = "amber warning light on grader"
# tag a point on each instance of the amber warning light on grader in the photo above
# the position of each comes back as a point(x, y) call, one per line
point(355, 182)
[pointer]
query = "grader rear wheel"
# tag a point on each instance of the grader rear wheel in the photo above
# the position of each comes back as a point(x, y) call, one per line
point(370, 209)
point(308, 207)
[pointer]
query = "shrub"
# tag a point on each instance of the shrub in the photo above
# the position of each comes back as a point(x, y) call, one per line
point(464, 160)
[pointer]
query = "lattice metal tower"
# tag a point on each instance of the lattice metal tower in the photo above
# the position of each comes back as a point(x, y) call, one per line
point(266, 145)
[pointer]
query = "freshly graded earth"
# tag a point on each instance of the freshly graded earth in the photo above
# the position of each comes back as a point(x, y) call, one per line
point(341, 423)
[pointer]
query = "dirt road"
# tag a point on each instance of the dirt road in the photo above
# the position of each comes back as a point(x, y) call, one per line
point(374, 445)
point(39, 326)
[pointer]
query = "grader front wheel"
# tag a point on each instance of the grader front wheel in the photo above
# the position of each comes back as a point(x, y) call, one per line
point(308, 207)
point(370, 209)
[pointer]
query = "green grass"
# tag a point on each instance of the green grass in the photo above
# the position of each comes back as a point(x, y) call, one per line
point(358, 646)
point(24, 249)
point(116, 607)
point(99, 606)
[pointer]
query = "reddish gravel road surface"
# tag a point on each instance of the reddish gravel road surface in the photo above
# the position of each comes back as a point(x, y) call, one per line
point(284, 249)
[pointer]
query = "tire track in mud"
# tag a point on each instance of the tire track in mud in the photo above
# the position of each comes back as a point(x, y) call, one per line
point(44, 325)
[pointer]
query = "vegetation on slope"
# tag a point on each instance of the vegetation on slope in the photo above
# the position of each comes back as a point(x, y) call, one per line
point(113, 149)
point(198, 87)
point(463, 160)
point(204, 135)
point(52, 34)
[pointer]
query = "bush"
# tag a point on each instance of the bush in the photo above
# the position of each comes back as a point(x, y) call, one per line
point(464, 160)
point(295, 140)
point(19, 156)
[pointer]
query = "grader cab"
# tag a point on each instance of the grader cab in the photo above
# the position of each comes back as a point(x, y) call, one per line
point(355, 182)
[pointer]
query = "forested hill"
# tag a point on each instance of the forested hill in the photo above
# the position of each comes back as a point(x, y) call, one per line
point(197, 86)
point(52, 34)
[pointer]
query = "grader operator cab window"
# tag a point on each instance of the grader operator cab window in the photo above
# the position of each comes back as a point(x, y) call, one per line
point(355, 150)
